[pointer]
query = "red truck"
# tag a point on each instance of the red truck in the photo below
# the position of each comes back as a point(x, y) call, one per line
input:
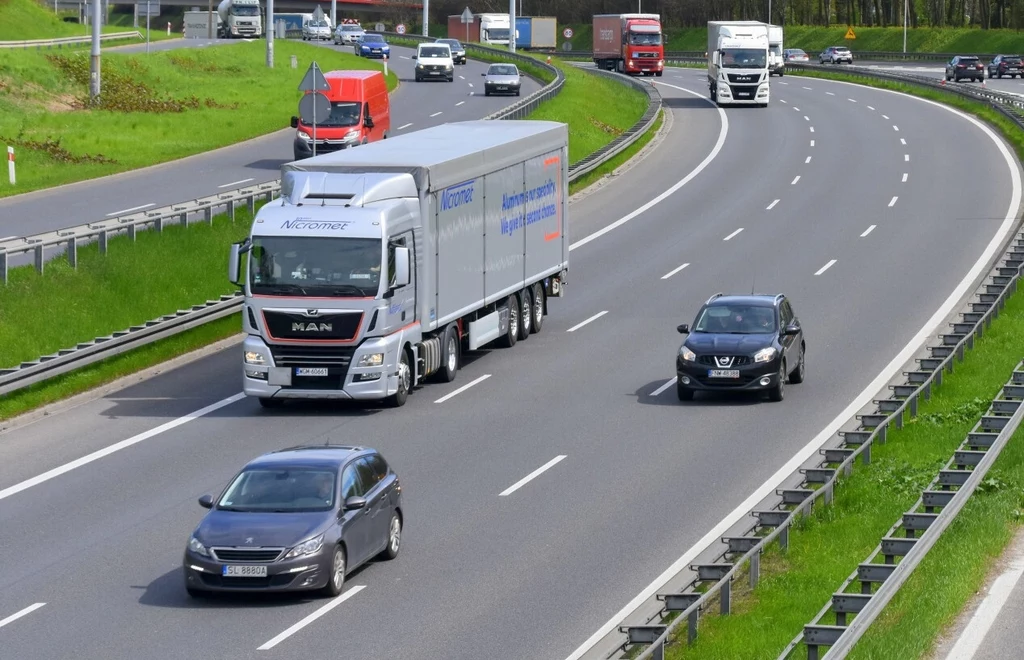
point(629, 43)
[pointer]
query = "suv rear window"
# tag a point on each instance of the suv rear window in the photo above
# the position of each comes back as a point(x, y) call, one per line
point(968, 59)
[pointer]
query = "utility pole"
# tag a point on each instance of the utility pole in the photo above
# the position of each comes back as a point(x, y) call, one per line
point(94, 64)
point(270, 34)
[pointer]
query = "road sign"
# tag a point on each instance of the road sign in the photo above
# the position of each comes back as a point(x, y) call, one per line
point(566, 46)
point(314, 105)
point(314, 80)
point(850, 34)
point(400, 28)
point(379, 27)
point(467, 16)
point(150, 8)
point(318, 14)
point(567, 33)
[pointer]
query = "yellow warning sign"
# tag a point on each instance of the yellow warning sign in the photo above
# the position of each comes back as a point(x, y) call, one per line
point(850, 34)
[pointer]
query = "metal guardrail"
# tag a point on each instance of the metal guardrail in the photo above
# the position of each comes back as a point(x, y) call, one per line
point(69, 41)
point(69, 240)
point(698, 55)
point(978, 452)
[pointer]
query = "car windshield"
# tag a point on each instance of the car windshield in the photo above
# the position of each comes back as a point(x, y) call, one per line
point(744, 58)
point(434, 51)
point(315, 266)
point(797, 51)
point(736, 320)
point(374, 39)
point(454, 45)
point(317, 24)
point(281, 490)
point(645, 38)
point(351, 28)
point(502, 70)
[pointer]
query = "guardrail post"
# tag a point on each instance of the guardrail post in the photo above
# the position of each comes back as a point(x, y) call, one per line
point(158, 224)
point(131, 232)
point(184, 219)
point(251, 201)
point(39, 258)
point(208, 215)
point(73, 251)
point(103, 241)
point(726, 596)
point(231, 209)
point(755, 570)
point(3, 266)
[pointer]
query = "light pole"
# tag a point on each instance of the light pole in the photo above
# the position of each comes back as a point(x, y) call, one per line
point(906, 4)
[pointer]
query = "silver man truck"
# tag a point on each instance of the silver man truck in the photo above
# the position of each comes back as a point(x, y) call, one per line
point(378, 266)
point(738, 63)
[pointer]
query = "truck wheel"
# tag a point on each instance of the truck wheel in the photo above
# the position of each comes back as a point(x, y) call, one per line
point(525, 314)
point(509, 340)
point(398, 399)
point(538, 308)
point(449, 355)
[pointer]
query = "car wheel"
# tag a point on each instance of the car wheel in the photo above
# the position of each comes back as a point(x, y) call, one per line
point(398, 399)
point(778, 393)
point(525, 314)
point(449, 355)
point(798, 374)
point(538, 308)
point(269, 402)
point(684, 393)
point(394, 537)
point(336, 579)
point(512, 335)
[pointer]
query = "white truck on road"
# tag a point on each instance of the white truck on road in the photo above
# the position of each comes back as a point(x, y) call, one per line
point(239, 18)
point(776, 62)
point(378, 266)
point(494, 29)
point(738, 62)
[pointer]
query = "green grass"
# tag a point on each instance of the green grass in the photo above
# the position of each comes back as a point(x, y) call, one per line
point(23, 20)
point(156, 108)
point(826, 546)
point(621, 159)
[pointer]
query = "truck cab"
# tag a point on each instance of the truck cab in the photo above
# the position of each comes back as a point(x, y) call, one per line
point(629, 43)
point(738, 63)
point(494, 29)
point(239, 18)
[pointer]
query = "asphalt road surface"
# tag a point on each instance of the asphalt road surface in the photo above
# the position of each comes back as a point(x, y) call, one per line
point(413, 106)
point(827, 195)
point(937, 71)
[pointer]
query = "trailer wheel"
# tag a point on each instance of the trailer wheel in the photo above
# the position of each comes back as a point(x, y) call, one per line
point(538, 308)
point(398, 399)
point(512, 334)
point(449, 355)
point(525, 314)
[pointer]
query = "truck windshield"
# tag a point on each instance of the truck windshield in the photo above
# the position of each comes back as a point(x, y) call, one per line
point(644, 39)
point(315, 266)
point(744, 58)
point(245, 11)
point(497, 33)
point(343, 113)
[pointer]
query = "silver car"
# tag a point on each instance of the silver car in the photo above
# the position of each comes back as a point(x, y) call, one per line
point(502, 79)
point(348, 34)
point(316, 30)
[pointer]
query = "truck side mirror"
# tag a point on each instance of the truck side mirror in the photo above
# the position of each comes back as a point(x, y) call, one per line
point(295, 122)
point(401, 266)
point(235, 263)
point(368, 121)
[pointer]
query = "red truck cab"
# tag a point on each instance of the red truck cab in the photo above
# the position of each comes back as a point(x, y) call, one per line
point(629, 43)
point(360, 113)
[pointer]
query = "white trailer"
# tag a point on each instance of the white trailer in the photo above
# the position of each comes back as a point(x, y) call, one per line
point(776, 63)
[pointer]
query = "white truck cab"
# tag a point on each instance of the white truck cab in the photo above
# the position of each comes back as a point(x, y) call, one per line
point(738, 62)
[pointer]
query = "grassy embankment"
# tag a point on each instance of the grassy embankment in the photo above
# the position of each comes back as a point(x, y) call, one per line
point(22, 20)
point(183, 102)
point(827, 546)
point(111, 283)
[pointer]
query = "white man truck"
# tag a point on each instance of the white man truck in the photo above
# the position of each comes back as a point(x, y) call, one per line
point(776, 63)
point(239, 18)
point(494, 29)
point(738, 62)
point(378, 266)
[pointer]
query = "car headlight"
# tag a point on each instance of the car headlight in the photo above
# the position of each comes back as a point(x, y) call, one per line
point(252, 357)
point(419, 66)
point(306, 547)
point(372, 360)
point(195, 546)
point(765, 354)
point(687, 354)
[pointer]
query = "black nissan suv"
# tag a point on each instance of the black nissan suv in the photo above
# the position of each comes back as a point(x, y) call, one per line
point(741, 342)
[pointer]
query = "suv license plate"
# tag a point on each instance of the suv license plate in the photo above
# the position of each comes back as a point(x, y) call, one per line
point(244, 571)
point(310, 371)
point(723, 373)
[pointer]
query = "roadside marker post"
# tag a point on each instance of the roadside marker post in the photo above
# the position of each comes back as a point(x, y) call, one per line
point(10, 165)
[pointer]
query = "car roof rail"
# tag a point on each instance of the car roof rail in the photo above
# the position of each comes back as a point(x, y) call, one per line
point(717, 295)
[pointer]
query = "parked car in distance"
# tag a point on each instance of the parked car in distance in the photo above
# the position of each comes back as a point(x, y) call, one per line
point(836, 55)
point(458, 50)
point(297, 519)
point(502, 78)
point(373, 46)
point(794, 55)
point(434, 62)
point(360, 113)
point(1006, 65)
point(965, 66)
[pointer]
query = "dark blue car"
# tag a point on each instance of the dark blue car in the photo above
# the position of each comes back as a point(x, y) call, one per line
point(297, 519)
point(372, 45)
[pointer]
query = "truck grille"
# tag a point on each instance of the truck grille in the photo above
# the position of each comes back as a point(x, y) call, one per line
point(646, 55)
point(247, 554)
point(343, 326)
point(750, 78)
point(312, 356)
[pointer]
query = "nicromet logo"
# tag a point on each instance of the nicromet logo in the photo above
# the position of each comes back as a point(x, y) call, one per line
point(456, 196)
point(312, 327)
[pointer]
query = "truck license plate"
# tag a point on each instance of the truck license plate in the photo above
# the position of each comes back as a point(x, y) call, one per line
point(723, 373)
point(244, 571)
point(310, 371)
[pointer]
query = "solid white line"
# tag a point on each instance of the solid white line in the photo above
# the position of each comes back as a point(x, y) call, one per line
point(812, 143)
point(783, 83)
point(807, 118)
point(905, 175)
point(312, 617)
point(17, 615)
point(885, 116)
point(134, 208)
point(830, 93)
point(236, 183)
point(664, 387)
point(868, 231)
point(459, 103)
point(977, 628)
point(903, 142)
point(807, 160)
point(825, 267)
point(892, 202)
point(870, 108)
point(463, 388)
point(106, 451)
point(530, 477)
point(403, 126)
point(895, 127)
point(673, 271)
point(772, 205)
point(793, 182)
point(722, 133)
point(812, 129)
point(807, 88)
point(404, 57)
point(867, 394)
point(733, 234)
point(592, 318)
point(435, 114)
point(851, 100)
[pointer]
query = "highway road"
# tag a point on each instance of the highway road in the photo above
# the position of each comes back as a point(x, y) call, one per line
point(730, 200)
point(937, 71)
point(413, 106)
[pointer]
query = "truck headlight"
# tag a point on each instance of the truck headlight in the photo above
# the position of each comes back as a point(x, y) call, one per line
point(253, 357)
point(687, 354)
point(302, 135)
point(765, 354)
point(372, 360)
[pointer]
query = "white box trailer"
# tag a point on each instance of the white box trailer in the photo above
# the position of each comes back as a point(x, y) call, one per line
point(378, 265)
point(776, 62)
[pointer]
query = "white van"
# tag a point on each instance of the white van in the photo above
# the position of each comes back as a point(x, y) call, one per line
point(434, 62)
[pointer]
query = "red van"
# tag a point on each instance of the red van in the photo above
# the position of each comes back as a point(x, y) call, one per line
point(360, 113)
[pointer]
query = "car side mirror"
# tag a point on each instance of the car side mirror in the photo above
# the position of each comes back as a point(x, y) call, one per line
point(354, 503)
point(401, 266)
point(413, 57)
point(791, 329)
point(483, 75)
point(295, 122)
point(206, 501)
point(683, 329)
